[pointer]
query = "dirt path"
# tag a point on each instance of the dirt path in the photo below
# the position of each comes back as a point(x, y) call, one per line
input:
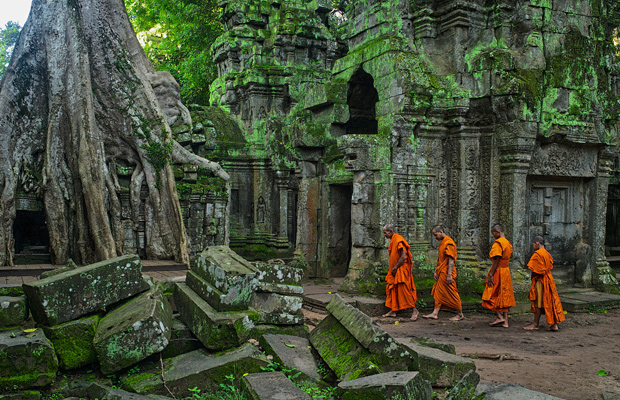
point(564, 364)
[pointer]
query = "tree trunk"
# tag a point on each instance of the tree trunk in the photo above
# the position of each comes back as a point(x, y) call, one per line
point(78, 99)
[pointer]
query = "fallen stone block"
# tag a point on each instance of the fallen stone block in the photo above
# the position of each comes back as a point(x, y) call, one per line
point(103, 392)
point(272, 386)
point(371, 335)
point(290, 290)
point(216, 331)
point(278, 309)
point(13, 310)
point(464, 390)
point(293, 330)
point(512, 391)
point(430, 342)
point(228, 273)
point(72, 294)
point(27, 359)
point(73, 342)
point(70, 265)
point(220, 301)
point(196, 369)
point(182, 340)
point(396, 385)
point(279, 274)
point(438, 367)
point(133, 331)
point(292, 352)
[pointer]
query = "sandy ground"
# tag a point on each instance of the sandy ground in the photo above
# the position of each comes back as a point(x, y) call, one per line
point(563, 364)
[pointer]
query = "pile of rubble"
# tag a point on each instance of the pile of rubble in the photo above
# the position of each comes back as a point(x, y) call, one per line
point(229, 318)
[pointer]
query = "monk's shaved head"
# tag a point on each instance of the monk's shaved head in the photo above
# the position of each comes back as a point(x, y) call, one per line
point(388, 227)
point(437, 228)
point(538, 239)
point(497, 228)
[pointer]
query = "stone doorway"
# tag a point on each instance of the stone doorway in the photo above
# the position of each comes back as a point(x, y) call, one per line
point(362, 98)
point(556, 213)
point(31, 238)
point(339, 239)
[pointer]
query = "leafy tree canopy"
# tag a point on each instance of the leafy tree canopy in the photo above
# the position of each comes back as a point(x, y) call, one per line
point(177, 36)
point(8, 38)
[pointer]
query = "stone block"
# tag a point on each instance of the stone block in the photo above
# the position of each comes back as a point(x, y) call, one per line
point(440, 368)
point(134, 331)
point(182, 340)
point(464, 390)
point(370, 335)
point(278, 309)
point(13, 310)
point(26, 360)
point(279, 274)
point(227, 272)
point(430, 342)
point(293, 330)
point(291, 290)
point(512, 391)
point(272, 386)
point(80, 291)
point(216, 331)
point(73, 342)
point(292, 352)
point(220, 301)
point(98, 391)
point(394, 385)
point(196, 369)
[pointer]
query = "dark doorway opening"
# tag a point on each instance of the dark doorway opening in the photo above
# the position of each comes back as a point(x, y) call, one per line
point(339, 247)
point(31, 238)
point(362, 98)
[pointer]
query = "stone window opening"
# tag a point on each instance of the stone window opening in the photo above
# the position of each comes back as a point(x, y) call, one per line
point(362, 98)
point(31, 237)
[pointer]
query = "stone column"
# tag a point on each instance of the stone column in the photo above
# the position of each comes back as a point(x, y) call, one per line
point(282, 184)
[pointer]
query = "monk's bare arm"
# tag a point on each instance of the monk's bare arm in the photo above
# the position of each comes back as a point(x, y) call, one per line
point(450, 268)
point(494, 265)
point(401, 261)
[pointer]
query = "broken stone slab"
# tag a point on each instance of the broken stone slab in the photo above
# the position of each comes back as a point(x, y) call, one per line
point(278, 309)
point(182, 340)
point(430, 342)
point(272, 386)
point(216, 331)
point(395, 385)
point(292, 352)
point(512, 391)
point(438, 367)
point(230, 301)
point(27, 359)
point(98, 391)
point(370, 335)
point(72, 294)
point(292, 330)
point(133, 331)
point(196, 369)
point(227, 272)
point(281, 274)
point(290, 290)
point(464, 390)
point(73, 342)
point(13, 310)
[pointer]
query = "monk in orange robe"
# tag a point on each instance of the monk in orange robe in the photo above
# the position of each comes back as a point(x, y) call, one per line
point(400, 290)
point(543, 293)
point(498, 295)
point(444, 290)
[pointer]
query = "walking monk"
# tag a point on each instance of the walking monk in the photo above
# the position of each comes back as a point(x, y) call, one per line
point(543, 293)
point(444, 290)
point(400, 290)
point(498, 295)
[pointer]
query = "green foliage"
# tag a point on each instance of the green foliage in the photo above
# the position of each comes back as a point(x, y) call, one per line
point(177, 37)
point(228, 391)
point(8, 38)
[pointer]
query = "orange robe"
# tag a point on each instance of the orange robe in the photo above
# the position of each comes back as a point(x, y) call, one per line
point(446, 296)
point(400, 290)
point(500, 297)
point(541, 265)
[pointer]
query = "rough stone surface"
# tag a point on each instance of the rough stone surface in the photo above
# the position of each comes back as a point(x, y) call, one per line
point(103, 392)
point(440, 368)
point(182, 340)
point(80, 291)
point(394, 385)
point(73, 342)
point(133, 331)
point(197, 369)
point(278, 309)
point(272, 386)
point(281, 274)
point(216, 331)
point(13, 310)
point(292, 352)
point(464, 390)
point(232, 277)
point(430, 342)
point(26, 359)
point(291, 290)
point(502, 391)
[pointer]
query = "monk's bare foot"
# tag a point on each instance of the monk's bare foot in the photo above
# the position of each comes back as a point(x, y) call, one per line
point(553, 328)
point(498, 321)
point(457, 318)
point(505, 324)
point(414, 316)
point(389, 314)
point(430, 316)
point(531, 327)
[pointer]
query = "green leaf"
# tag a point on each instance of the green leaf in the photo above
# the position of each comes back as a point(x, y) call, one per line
point(602, 372)
point(289, 345)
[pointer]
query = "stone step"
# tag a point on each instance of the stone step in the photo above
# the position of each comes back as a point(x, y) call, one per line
point(574, 301)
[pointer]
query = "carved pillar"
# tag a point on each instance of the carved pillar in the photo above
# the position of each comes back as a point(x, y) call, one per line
point(282, 184)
